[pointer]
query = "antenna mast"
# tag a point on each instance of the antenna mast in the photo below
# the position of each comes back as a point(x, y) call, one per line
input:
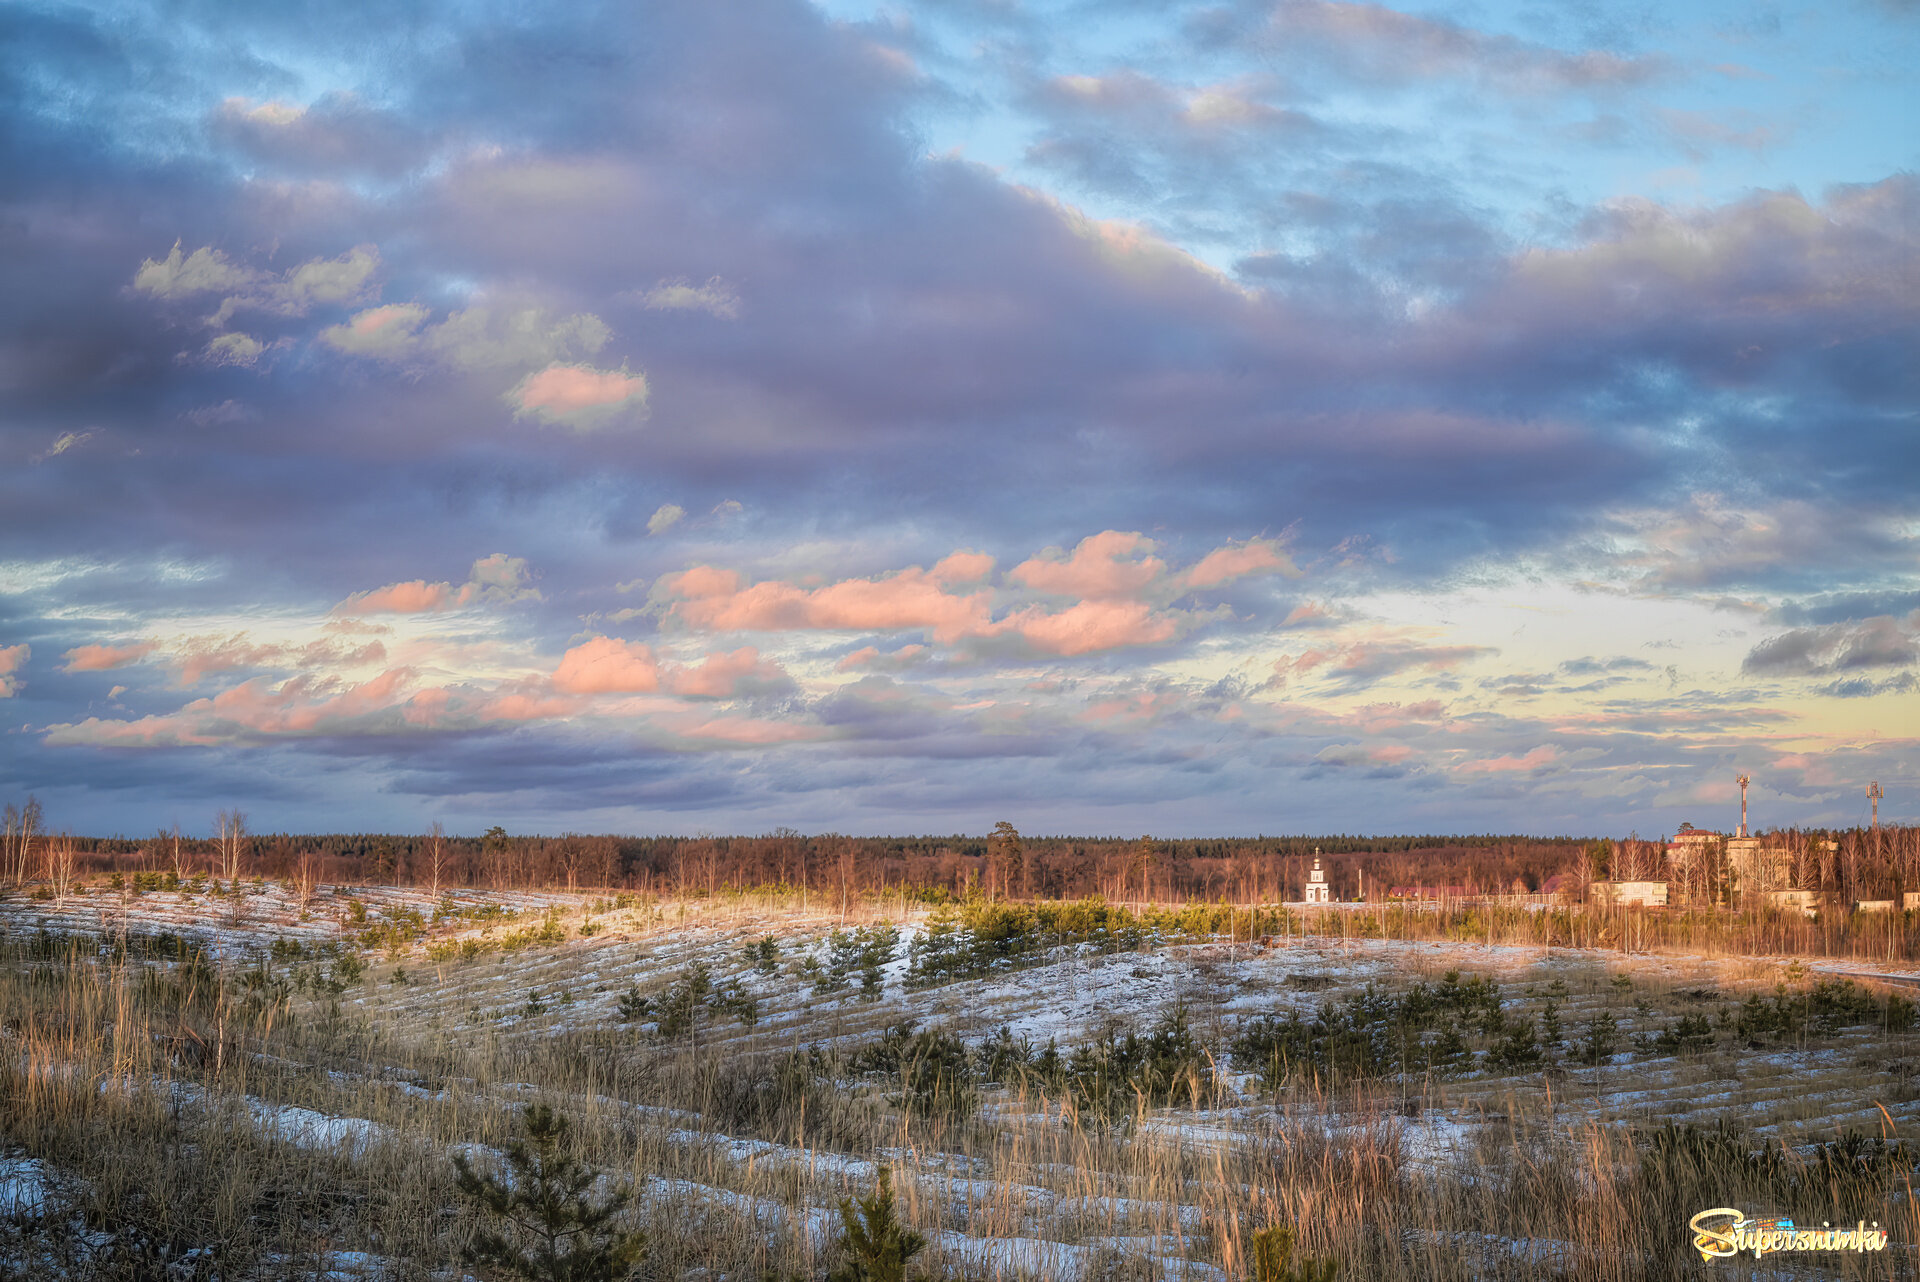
point(1742, 780)
point(1874, 794)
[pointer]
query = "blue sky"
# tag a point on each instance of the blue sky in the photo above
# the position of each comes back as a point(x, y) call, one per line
point(1187, 419)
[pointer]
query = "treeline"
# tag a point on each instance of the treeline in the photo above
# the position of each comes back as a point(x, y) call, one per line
point(1241, 869)
point(1860, 864)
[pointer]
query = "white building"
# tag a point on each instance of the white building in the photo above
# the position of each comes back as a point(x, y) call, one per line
point(1318, 892)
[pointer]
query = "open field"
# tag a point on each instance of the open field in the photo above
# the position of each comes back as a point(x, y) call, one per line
point(253, 1084)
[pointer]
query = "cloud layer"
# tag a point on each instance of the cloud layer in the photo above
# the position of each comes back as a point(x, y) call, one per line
point(909, 419)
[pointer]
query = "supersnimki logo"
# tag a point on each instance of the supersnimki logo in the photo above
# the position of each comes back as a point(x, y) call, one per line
point(1725, 1231)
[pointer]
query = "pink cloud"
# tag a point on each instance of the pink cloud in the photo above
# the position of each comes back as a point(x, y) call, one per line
point(747, 731)
point(858, 659)
point(606, 665)
point(870, 657)
point(12, 659)
point(1222, 565)
point(722, 676)
point(909, 599)
point(702, 581)
point(1390, 753)
point(253, 708)
point(962, 567)
point(1095, 625)
point(1306, 615)
point(105, 658)
point(521, 706)
point(578, 392)
point(197, 656)
point(1095, 569)
point(1545, 755)
point(416, 596)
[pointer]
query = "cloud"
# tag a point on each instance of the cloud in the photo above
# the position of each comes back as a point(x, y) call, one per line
point(481, 338)
point(1708, 542)
point(1864, 687)
point(1882, 642)
point(12, 659)
point(1094, 625)
point(713, 599)
point(339, 134)
point(665, 517)
point(204, 271)
point(1356, 664)
point(234, 349)
point(869, 657)
point(1224, 564)
point(579, 396)
point(1388, 46)
point(1096, 568)
point(738, 674)
point(331, 281)
point(105, 658)
point(715, 297)
point(195, 657)
point(1544, 757)
point(61, 444)
point(496, 579)
point(962, 567)
point(606, 665)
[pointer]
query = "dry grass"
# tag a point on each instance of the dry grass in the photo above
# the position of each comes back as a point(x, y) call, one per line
point(282, 1137)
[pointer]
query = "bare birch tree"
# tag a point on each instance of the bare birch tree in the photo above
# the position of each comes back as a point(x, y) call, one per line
point(436, 859)
point(231, 826)
point(305, 878)
point(62, 860)
point(22, 826)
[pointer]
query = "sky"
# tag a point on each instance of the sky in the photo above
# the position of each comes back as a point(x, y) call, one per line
point(1187, 419)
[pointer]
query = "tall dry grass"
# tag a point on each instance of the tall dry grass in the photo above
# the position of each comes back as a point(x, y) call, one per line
point(159, 1093)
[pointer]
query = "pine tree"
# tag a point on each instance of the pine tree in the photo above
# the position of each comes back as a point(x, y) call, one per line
point(550, 1228)
point(877, 1245)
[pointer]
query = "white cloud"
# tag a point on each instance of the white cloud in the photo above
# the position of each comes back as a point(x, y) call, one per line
point(61, 444)
point(715, 297)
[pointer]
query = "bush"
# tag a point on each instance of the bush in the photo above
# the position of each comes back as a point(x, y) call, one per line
point(689, 1003)
point(933, 1068)
point(1372, 1034)
point(1272, 1251)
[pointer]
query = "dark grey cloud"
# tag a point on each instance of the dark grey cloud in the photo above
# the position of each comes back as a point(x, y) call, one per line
point(1882, 642)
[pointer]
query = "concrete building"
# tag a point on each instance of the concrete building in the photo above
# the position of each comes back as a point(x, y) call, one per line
point(1620, 894)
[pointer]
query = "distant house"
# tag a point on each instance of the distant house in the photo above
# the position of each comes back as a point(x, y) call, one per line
point(1427, 892)
point(1621, 894)
point(1806, 901)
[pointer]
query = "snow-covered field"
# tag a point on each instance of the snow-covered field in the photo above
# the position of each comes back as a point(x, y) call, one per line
point(1002, 1195)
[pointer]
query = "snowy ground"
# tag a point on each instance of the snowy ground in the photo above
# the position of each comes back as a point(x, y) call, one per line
point(1001, 1216)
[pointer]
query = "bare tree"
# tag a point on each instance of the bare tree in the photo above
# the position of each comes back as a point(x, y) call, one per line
point(232, 829)
point(21, 826)
point(306, 877)
point(436, 858)
point(9, 831)
point(62, 859)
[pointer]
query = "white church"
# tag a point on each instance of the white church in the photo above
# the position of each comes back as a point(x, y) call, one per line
point(1318, 892)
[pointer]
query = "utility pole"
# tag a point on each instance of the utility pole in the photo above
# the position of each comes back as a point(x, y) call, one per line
point(1874, 794)
point(1742, 780)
